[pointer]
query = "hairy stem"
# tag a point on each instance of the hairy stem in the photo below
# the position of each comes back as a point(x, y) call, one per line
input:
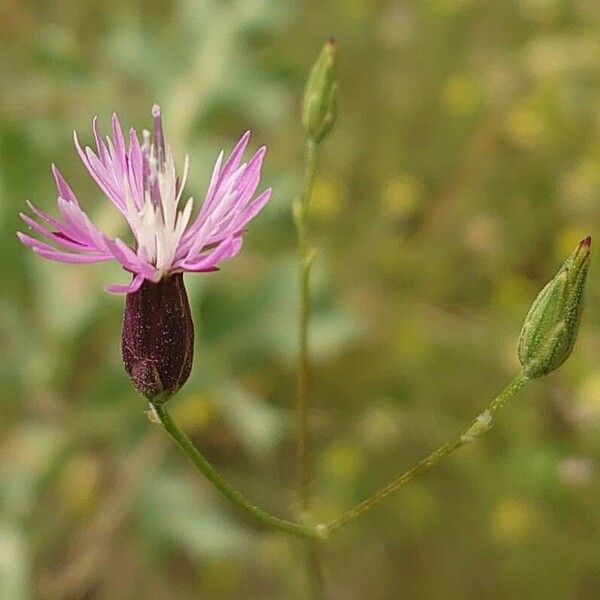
point(301, 213)
point(269, 521)
point(479, 426)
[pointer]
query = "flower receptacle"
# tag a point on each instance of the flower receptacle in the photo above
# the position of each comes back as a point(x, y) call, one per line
point(158, 338)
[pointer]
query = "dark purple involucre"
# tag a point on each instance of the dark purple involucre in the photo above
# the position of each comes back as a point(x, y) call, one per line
point(158, 337)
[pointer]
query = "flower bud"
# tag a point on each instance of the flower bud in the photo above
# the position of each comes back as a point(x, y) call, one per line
point(158, 337)
point(319, 109)
point(551, 326)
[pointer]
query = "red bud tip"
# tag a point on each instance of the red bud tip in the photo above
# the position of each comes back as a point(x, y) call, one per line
point(583, 247)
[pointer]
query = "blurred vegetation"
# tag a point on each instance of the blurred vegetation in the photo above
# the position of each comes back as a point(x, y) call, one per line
point(464, 166)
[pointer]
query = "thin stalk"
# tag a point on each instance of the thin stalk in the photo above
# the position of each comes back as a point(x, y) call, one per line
point(478, 427)
point(314, 569)
point(269, 521)
point(301, 214)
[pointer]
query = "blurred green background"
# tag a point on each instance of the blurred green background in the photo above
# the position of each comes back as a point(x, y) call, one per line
point(464, 166)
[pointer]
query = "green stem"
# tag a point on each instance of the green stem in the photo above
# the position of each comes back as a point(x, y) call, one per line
point(269, 521)
point(301, 213)
point(314, 569)
point(478, 427)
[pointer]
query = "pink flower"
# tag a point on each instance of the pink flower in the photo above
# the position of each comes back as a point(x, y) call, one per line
point(140, 180)
point(157, 340)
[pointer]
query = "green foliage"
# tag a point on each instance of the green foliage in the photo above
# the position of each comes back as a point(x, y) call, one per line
point(464, 165)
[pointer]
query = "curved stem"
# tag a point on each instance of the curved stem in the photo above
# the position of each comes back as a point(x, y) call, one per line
point(480, 425)
point(269, 521)
point(301, 212)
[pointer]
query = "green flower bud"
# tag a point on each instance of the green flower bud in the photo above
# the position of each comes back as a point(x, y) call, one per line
point(551, 326)
point(319, 108)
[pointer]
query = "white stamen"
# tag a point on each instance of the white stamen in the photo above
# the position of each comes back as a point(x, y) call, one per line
point(159, 226)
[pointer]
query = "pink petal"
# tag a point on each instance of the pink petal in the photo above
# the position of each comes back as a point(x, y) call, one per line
point(79, 227)
point(119, 144)
point(44, 216)
point(85, 159)
point(252, 209)
point(212, 186)
point(65, 257)
point(63, 187)
point(236, 155)
point(50, 253)
point(57, 236)
point(136, 169)
point(134, 286)
point(129, 260)
point(100, 145)
point(244, 192)
point(106, 180)
point(226, 249)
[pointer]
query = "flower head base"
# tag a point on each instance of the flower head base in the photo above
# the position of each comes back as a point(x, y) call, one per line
point(158, 338)
point(141, 181)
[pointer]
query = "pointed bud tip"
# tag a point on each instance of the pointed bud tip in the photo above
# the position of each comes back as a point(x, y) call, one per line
point(156, 111)
point(331, 43)
point(582, 251)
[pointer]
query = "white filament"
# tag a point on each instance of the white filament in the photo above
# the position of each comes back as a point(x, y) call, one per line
point(158, 226)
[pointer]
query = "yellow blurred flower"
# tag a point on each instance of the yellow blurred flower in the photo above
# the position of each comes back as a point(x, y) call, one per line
point(221, 577)
point(194, 412)
point(343, 462)
point(461, 94)
point(327, 199)
point(581, 186)
point(402, 196)
point(548, 57)
point(513, 291)
point(78, 485)
point(411, 342)
point(587, 400)
point(526, 127)
point(513, 520)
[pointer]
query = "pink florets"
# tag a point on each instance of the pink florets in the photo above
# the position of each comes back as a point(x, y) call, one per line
point(140, 180)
